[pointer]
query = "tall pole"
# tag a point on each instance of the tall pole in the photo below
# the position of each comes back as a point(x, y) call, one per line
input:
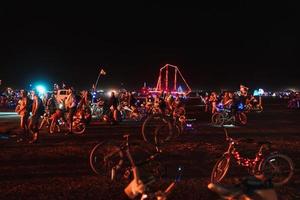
point(167, 75)
point(158, 85)
point(97, 81)
point(175, 80)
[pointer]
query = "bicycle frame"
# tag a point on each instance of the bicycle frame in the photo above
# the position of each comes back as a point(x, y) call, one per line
point(261, 165)
point(250, 164)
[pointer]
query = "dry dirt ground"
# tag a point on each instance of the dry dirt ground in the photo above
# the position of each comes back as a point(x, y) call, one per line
point(58, 168)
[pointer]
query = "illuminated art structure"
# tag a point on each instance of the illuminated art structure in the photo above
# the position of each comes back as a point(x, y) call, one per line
point(164, 83)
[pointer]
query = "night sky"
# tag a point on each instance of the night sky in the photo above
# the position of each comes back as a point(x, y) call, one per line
point(215, 46)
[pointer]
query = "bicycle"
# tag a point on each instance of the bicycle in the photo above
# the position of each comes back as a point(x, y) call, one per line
point(131, 113)
point(266, 162)
point(258, 108)
point(116, 161)
point(249, 188)
point(161, 127)
point(60, 123)
point(157, 129)
point(46, 122)
point(225, 116)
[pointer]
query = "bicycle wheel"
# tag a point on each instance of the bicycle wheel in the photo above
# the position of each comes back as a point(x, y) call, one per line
point(78, 128)
point(220, 169)
point(217, 119)
point(278, 167)
point(157, 125)
point(106, 159)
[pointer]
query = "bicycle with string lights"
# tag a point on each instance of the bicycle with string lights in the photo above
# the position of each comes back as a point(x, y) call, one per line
point(271, 164)
point(225, 116)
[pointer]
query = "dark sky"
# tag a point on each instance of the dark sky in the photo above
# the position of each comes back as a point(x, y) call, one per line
point(220, 45)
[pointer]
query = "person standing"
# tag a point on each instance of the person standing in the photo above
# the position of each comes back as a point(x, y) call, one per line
point(213, 98)
point(23, 109)
point(71, 108)
point(113, 105)
point(51, 104)
point(37, 111)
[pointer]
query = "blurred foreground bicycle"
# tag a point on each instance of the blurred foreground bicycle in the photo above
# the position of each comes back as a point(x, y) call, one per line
point(116, 161)
point(249, 188)
point(271, 164)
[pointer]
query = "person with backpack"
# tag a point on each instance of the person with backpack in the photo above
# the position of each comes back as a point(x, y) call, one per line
point(38, 110)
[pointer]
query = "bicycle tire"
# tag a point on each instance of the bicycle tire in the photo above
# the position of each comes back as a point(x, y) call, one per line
point(78, 128)
point(223, 163)
point(217, 119)
point(154, 123)
point(271, 172)
point(103, 157)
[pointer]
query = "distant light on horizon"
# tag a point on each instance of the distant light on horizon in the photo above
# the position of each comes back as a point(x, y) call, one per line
point(41, 89)
point(110, 92)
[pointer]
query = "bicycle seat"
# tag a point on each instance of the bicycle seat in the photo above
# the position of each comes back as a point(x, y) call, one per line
point(226, 192)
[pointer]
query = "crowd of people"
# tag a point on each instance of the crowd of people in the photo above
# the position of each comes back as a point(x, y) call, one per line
point(164, 103)
point(229, 100)
point(9, 98)
point(31, 106)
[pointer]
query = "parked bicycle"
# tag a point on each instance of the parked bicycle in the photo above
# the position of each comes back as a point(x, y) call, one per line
point(270, 163)
point(115, 162)
point(253, 105)
point(226, 116)
point(46, 121)
point(59, 122)
point(161, 127)
point(157, 125)
point(258, 108)
point(132, 113)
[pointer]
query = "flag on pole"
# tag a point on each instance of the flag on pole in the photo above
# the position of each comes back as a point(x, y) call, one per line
point(102, 72)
